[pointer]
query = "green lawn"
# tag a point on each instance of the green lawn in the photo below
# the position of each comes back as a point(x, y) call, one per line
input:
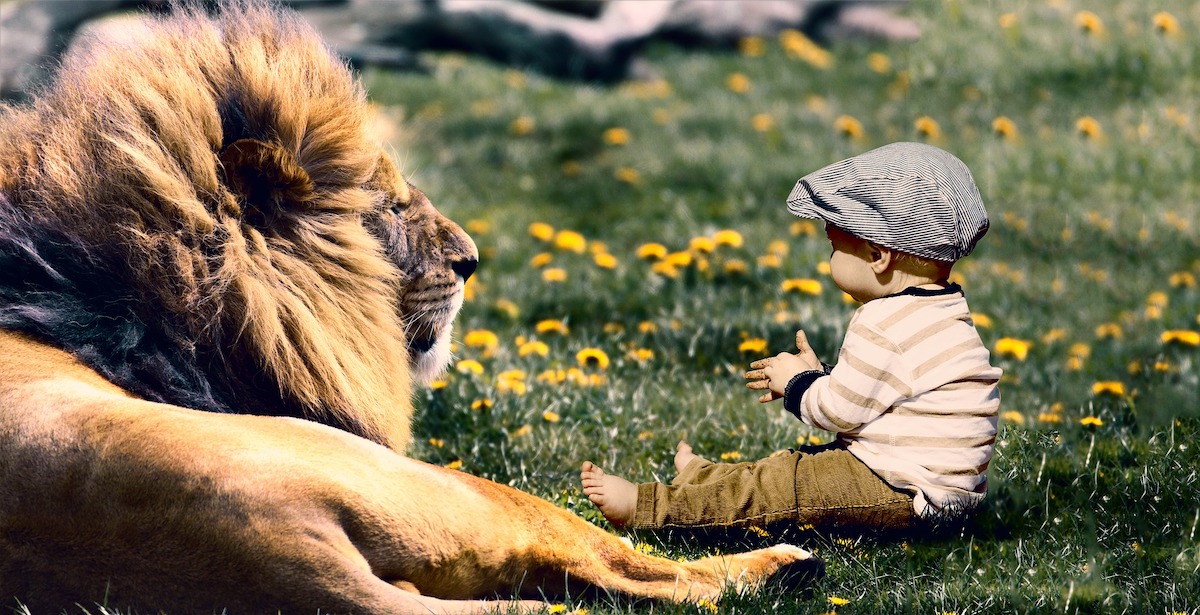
point(1083, 143)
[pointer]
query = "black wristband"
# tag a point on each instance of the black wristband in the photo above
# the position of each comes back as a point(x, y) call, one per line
point(794, 391)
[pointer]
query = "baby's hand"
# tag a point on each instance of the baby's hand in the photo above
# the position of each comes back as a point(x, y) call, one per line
point(774, 373)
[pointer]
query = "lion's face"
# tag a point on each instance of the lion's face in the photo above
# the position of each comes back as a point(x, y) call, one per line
point(257, 245)
point(435, 258)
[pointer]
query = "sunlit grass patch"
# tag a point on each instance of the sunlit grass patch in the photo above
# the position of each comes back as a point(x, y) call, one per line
point(1080, 126)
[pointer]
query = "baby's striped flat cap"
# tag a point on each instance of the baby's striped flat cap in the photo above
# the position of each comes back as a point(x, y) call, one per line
point(911, 197)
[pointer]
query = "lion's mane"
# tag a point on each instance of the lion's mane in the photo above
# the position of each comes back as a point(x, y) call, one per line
point(135, 231)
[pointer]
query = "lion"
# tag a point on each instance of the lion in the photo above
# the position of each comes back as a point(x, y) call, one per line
point(217, 292)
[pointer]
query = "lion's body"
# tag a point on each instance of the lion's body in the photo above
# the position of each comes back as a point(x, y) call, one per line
point(203, 257)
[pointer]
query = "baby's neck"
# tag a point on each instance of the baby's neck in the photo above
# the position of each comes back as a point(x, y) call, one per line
point(902, 280)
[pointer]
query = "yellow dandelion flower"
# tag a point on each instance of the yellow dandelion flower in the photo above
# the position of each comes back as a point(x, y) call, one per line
point(616, 136)
point(1089, 128)
point(652, 251)
point(640, 355)
point(541, 231)
point(483, 339)
point(514, 79)
point(604, 260)
point(627, 175)
point(552, 376)
point(752, 46)
point(806, 286)
point(778, 247)
point(802, 228)
point(848, 298)
point(437, 442)
point(1089, 22)
point(541, 260)
point(479, 227)
point(848, 127)
point(457, 464)
point(592, 356)
point(728, 237)
point(1053, 418)
point(1109, 387)
point(762, 122)
point(1109, 330)
point(734, 267)
point(1080, 349)
point(665, 269)
point(522, 126)
point(824, 268)
point(836, 601)
point(1054, 335)
point(572, 168)
point(554, 275)
point(551, 416)
point(702, 245)
point(614, 328)
point(439, 384)
point(798, 46)
point(705, 604)
point(508, 308)
point(1013, 347)
point(679, 259)
point(1005, 128)
point(647, 326)
point(1012, 416)
point(516, 387)
point(533, 347)
point(982, 321)
point(731, 456)
point(928, 127)
point(557, 608)
point(738, 83)
point(1165, 23)
point(551, 326)
point(879, 63)
point(469, 366)
point(522, 431)
point(1007, 20)
point(570, 241)
point(471, 289)
point(481, 404)
point(754, 345)
point(1181, 337)
point(1157, 299)
point(1091, 421)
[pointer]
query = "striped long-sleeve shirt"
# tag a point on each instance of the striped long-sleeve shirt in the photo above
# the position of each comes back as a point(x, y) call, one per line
point(913, 395)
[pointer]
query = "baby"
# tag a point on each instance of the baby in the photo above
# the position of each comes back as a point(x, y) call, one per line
point(913, 398)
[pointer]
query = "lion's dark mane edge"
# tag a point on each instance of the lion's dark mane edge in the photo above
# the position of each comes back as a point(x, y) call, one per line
point(51, 288)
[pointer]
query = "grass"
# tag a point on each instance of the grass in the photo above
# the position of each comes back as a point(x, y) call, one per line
point(1086, 285)
point(1085, 288)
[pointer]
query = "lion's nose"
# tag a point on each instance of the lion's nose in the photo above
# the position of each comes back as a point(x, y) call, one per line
point(464, 267)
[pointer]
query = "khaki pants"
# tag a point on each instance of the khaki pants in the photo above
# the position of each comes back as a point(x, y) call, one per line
point(825, 486)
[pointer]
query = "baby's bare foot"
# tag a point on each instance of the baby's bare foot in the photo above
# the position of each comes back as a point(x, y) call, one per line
point(614, 496)
point(683, 456)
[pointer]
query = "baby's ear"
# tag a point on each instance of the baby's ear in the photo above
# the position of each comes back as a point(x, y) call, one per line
point(882, 259)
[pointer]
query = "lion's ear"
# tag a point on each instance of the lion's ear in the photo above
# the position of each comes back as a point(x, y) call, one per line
point(265, 177)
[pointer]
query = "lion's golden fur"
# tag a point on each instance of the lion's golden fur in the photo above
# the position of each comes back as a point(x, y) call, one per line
point(202, 219)
point(123, 151)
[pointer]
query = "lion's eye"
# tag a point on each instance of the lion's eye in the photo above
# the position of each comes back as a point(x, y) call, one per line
point(395, 208)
